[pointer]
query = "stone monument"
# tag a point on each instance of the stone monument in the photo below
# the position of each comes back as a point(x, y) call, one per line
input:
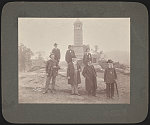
point(78, 46)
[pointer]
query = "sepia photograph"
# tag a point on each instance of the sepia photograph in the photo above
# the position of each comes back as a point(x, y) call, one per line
point(74, 60)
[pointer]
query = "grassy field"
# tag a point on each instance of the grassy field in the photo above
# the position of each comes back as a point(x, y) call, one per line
point(31, 86)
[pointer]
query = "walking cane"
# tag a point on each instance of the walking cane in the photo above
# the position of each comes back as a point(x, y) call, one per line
point(117, 89)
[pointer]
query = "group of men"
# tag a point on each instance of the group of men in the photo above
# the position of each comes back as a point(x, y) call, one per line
point(74, 70)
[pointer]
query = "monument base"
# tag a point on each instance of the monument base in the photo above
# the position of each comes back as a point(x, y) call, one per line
point(79, 51)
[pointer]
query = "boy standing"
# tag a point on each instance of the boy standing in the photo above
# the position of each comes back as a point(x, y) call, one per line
point(73, 74)
point(51, 72)
point(110, 77)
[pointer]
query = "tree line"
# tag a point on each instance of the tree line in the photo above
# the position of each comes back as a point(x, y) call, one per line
point(24, 57)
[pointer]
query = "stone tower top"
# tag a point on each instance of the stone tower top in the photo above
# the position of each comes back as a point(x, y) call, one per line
point(78, 35)
point(77, 22)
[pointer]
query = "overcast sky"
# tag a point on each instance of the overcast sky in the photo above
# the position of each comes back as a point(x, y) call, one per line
point(39, 34)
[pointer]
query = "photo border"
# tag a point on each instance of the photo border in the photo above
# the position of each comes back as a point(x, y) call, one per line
point(134, 112)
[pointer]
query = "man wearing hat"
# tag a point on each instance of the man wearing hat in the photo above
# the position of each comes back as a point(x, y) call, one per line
point(73, 74)
point(90, 75)
point(110, 77)
point(51, 72)
point(69, 54)
point(87, 56)
point(56, 52)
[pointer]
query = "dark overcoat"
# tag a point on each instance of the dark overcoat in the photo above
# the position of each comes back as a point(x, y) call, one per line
point(86, 58)
point(110, 75)
point(69, 55)
point(71, 71)
point(56, 54)
point(90, 77)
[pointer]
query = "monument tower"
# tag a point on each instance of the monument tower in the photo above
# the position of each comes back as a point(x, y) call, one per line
point(78, 33)
point(78, 46)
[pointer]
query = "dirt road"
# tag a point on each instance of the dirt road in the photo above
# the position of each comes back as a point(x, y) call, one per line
point(31, 85)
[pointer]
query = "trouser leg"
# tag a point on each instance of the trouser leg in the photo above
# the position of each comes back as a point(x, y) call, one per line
point(94, 92)
point(108, 89)
point(89, 92)
point(76, 88)
point(72, 89)
point(47, 83)
point(112, 90)
point(53, 82)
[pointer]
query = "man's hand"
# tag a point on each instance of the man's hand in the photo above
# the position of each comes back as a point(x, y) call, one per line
point(68, 77)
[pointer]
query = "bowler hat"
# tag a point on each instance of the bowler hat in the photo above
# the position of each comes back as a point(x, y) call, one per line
point(55, 44)
point(109, 61)
point(69, 46)
point(87, 49)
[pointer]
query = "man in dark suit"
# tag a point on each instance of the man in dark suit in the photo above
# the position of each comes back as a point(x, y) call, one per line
point(110, 78)
point(56, 52)
point(90, 79)
point(87, 57)
point(70, 54)
point(73, 74)
point(51, 72)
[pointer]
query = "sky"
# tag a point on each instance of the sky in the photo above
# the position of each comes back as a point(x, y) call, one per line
point(39, 34)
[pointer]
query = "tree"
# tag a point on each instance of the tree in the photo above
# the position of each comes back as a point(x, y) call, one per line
point(28, 61)
point(96, 48)
point(24, 55)
point(39, 58)
point(39, 55)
